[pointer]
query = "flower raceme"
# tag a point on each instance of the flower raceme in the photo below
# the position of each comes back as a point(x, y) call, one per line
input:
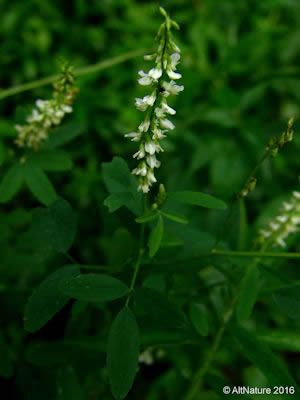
point(48, 113)
point(277, 231)
point(162, 81)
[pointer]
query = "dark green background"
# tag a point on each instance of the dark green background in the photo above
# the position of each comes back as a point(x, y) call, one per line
point(240, 67)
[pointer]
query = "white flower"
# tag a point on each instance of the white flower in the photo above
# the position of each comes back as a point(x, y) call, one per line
point(144, 126)
point(152, 147)
point(172, 74)
point(145, 79)
point(66, 108)
point(157, 134)
point(141, 170)
point(155, 73)
point(284, 224)
point(296, 194)
point(48, 113)
point(175, 57)
point(140, 154)
point(135, 136)
point(149, 57)
point(152, 161)
point(145, 102)
point(159, 112)
point(167, 124)
point(144, 187)
point(153, 128)
point(166, 108)
point(172, 88)
point(150, 177)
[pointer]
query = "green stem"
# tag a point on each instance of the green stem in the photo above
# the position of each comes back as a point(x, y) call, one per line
point(138, 261)
point(197, 380)
point(264, 254)
point(135, 274)
point(89, 69)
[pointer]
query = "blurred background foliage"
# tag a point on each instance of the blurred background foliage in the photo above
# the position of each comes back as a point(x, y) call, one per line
point(240, 67)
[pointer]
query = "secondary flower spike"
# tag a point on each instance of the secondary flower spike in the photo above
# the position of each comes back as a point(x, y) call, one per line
point(284, 224)
point(48, 113)
point(161, 80)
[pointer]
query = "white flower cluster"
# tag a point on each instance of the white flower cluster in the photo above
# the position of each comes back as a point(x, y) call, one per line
point(161, 79)
point(284, 224)
point(47, 114)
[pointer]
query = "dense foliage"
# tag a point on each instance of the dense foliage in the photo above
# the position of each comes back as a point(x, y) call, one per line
point(173, 297)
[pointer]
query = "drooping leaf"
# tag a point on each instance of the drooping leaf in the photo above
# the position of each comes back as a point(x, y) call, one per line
point(263, 358)
point(250, 286)
point(156, 236)
point(62, 135)
point(11, 183)
point(114, 202)
point(288, 300)
point(94, 287)
point(47, 299)
point(147, 217)
point(58, 160)
point(281, 340)
point(54, 228)
point(199, 318)
point(122, 187)
point(123, 353)
point(197, 199)
point(180, 219)
point(39, 184)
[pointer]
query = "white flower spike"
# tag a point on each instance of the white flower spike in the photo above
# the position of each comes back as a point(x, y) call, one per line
point(155, 125)
point(284, 224)
point(48, 113)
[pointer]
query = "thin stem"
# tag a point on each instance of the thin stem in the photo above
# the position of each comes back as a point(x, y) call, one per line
point(197, 380)
point(89, 69)
point(264, 254)
point(140, 254)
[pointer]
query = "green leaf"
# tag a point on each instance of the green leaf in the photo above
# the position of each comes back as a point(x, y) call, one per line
point(11, 183)
point(62, 135)
point(148, 216)
point(58, 160)
point(94, 287)
point(288, 300)
point(67, 385)
point(281, 340)
point(54, 228)
point(197, 199)
point(39, 184)
point(175, 217)
point(47, 299)
point(263, 358)
point(122, 187)
point(156, 236)
point(199, 318)
point(114, 202)
point(250, 286)
point(123, 353)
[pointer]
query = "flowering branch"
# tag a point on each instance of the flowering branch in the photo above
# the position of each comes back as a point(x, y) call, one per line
point(155, 123)
point(48, 113)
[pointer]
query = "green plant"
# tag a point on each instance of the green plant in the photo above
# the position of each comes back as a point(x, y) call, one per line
point(172, 287)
